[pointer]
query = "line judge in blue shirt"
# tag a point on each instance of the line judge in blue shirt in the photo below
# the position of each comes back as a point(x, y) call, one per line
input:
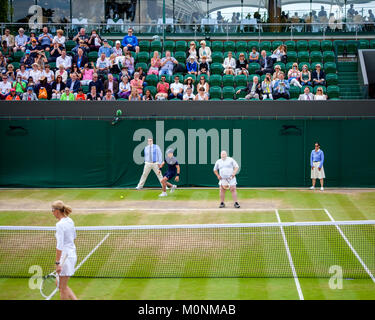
point(130, 42)
point(153, 160)
point(316, 163)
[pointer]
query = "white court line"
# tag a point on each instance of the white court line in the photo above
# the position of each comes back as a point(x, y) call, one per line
point(300, 294)
point(351, 247)
point(82, 262)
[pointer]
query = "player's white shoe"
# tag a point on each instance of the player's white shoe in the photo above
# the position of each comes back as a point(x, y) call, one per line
point(321, 189)
point(163, 194)
point(174, 187)
point(139, 188)
point(312, 188)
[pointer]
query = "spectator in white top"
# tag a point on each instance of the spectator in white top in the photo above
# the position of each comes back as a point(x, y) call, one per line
point(5, 87)
point(20, 41)
point(229, 64)
point(117, 49)
point(64, 60)
point(48, 73)
point(8, 38)
point(62, 72)
point(205, 51)
point(167, 64)
point(102, 64)
point(189, 94)
point(23, 72)
point(319, 94)
point(177, 89)
point(35, 73)
point(59, 38)
point(307, 95)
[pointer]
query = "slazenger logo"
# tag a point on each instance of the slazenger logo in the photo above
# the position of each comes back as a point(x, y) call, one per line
point(219, 139)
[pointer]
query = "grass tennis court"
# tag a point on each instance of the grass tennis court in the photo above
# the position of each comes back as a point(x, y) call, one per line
point(104, 207)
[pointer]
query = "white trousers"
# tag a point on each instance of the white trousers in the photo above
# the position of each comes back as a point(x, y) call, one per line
point(146, 171)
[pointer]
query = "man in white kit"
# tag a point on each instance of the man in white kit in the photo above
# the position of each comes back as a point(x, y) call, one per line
point(225, 170)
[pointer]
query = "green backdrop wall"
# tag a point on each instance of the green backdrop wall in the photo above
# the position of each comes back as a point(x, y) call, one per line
point(272, 153)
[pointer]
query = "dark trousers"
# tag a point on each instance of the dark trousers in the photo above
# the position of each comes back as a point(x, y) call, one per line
point(279, 95)
point(264, 71)
point(172, 96)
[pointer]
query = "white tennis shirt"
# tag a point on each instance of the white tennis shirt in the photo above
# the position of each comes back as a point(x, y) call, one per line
point(65, 235)
point(226, 167)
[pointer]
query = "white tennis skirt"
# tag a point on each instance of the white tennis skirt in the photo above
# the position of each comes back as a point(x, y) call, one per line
point(315, 173)
point(68, 266)
point(232, 182)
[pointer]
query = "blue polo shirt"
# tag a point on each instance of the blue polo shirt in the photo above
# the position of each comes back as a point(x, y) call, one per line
point(317, 156)
point(133, 40)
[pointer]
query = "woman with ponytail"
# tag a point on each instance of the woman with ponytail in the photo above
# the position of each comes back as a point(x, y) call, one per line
point(66, 256)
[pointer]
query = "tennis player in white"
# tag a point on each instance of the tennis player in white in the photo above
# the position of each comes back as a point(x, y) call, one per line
point(66, 256)
point(225, 170)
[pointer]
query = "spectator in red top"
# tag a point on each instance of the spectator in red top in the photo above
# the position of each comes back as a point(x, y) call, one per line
point(162, 88)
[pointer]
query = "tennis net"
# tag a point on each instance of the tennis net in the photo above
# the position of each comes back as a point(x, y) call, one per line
point(178, 251)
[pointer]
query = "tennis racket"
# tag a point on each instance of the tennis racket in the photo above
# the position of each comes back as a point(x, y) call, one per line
point(50, 283)
point(225, 183)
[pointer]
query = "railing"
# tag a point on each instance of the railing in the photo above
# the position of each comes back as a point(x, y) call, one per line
point(205, 28)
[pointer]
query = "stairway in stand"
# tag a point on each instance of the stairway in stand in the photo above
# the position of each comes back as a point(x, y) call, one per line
point(348, 81)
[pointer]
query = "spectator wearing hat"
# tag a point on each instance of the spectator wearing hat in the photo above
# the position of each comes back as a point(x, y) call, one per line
point(192, 66)
point(242, 65)
point(67, 95)
point(58, 87)
point(29, 95)
point(59, 39)
point(205, 51)
point(45, 39)
point(204, 67)
point(167, 64)
point(318, 76)
point(73, 83)
point(64, 60)
point(177, 89)
point(27, 60)
point(106, 49)
point(189, 83)
point(20, 41)
point(94, 41)
point(5, 87)
point(10, 73)
point(12, 95)
point(9, 38)
point(80, 95)
point(192, 51)
point(130, 42)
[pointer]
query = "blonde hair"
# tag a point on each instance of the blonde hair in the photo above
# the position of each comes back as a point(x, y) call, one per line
point(62, 207)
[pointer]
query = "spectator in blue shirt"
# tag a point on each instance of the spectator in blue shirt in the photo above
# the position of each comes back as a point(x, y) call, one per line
point(281, 88)
point(45, 39)
point(316, 163)
point(130, 42)
point(105, 48)
point(192, 66)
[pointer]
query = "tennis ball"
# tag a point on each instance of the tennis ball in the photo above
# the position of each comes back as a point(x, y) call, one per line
point(121, 197)
point(118, 112)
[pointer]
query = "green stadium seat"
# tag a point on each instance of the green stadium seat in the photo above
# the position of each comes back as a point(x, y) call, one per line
point(217, 46)
point(181, 45)
point(152, 79)
point(215, 92)
point(254, 66)
point(294, 92)
point(323, 87)
point(281, 64)
point(217, 56)
point(203, 75)
point(17, 56)
point(301, 64)
point(216, 80)
point(265, 45)
point(69, 45)
point(144, 45)
point(156, 45)
point(240, 80)
point(352, 47)
point(339, 47)
point(228, 92)
point(93, 56)
point(169, 45)
point(180, 56)
point(326, 45)
point(303, 56)
point(302, 45)
point(332, 79)
point(242, 94)
point(290, 45)
point(333, 92)
point(143, 57)
point(292, 56)
point(228, 80)
point(330, 67)
point(16, 65)
point(276, 44)
point(151, 88)
point(316, 56)
point(314, 45)
point(241, 46)
point(85, 89)
point(216, 68)
point(252, 44)
point(229, 46)
point(372, 44)
point(364, 44)
point(215, 99)
point(288, 66)
point(52, 65)
point(142, 65)
point(328, 56)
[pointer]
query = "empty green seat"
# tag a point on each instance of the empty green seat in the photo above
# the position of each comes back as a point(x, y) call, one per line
point(143, 57)
point(152, 79)
point(289, 66)
point(290, 45)
point(303, 56)
point(241, 46)
point(217, 46)
point(229, 46)
point(253, 67)
point(294, 92)
point(302, 45)
point(326, 45)
point(217, 56)
point(292, 56)
point(352, 47)
point(70, 44)
point(240, 80)
point(276, 44)
point(180, 56)
point(332, 79)
point(339, 47)
point(215, 92)
point(241, 94)
point(144, 45)
point(85, 89)
point(328, 56)
point(181, 45)
point(216, 68)
point(216, 80)
point(16, 66)
point(333, 92)
point(169, 45)
point(316, 56)
point(17, 56)
point(372, 44)
point(252, 44)
point(330, 67)
point(228, 80)
point(228, 92)
point(206, 77)
point(93, 56)
point(314, 45)
point(142, 65)
point(265, 45)
point(156, 45)
point(364, 44)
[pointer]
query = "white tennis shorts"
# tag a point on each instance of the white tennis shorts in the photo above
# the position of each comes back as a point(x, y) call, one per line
point(315, 173)
point(232, 182)
point(68, 266)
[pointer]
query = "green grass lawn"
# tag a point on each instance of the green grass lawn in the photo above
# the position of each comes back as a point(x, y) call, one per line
point(342, 206)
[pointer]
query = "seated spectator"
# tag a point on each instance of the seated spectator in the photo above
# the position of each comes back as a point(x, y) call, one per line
point(80, 95)
point(167, 64)
point(20, 41)
point(43, 89)
point(48, 73)
point(137, 83)
point(77, 71)
point(34, 48)
point(189, 83)
point(281, 88)
point(114, 67)
point(242, 65)
point(117, 50)
point(125, 73)
point(93, 95)
point(253, 90)
point(318, 76)
point(45, 39)
point(134, 95)
point(192, 66)
point(73, 83)
point(129, 63)
point(81, 45)
point(5, 87)
point(59, 39)
point(12, 95)
point(30, 82)
point(254, 55)
point(64, 60)
point(10, 73)
point(9, 38)
point(81, 35)
point(3, 63)
point(305, 76)
point(266, 64)
point(31, 37)
point(55, 52)
point(19, 85)
point(294, 76)
point(189, 94)
point(27, 60)
point(201, 96)
point(35, 73)
point(29, 95)
point(94, 41)
point(87, 74)
point(102, 65)
point(106, 49)
point(96, 82)
point(192, 51)
point(280, 54)
point(276, 74)
point(229, 64)
point(267, 87)
point(58, 88)
point(147, 96)
point(142, 76)
point(67, 95)
point(176, 89)
point(203, 84)
point(162, 89)
point(124, 88)
point(319, 94)
point(204, 67)
point(80, 59)
point(307, 95)
point(6, 51)
point(205, 51)
point(41, 60)
point(23, 73)
point(130, 42)
point(112, 85)
point(155, 64)
point(62, 72)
